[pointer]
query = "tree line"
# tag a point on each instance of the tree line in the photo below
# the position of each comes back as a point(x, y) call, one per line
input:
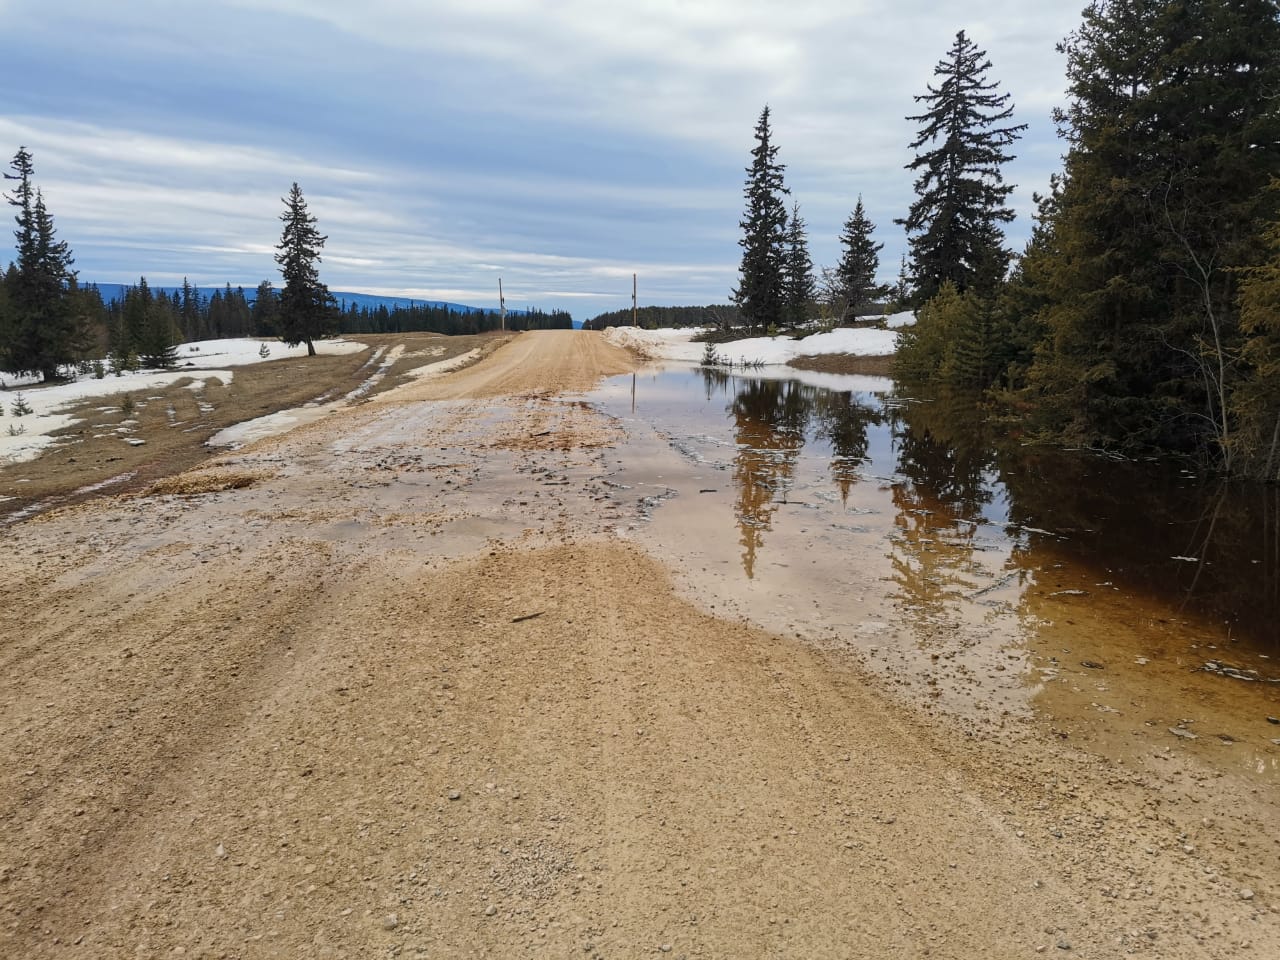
point(723, 315)
point(1143, 315)
point(53, 326)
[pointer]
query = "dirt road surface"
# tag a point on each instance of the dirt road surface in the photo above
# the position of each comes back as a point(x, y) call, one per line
point(392, 686)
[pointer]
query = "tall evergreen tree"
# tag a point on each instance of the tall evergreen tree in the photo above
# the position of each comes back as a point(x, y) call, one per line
point(191, 312)
point(859, 264)
point(158, 343)
point(1256, 401)
point(797, 280)
point(43, 333)
point(954, 222)
point(5, 320)
point(133, 325)
point(265, 311)
point(1173, 135)
point(760, 293)
point(306, 306)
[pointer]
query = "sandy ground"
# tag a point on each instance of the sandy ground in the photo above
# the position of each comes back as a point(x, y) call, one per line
point(391, 686)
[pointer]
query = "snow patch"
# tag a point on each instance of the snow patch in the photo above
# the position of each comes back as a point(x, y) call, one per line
point(195, 359)
point(678, 345)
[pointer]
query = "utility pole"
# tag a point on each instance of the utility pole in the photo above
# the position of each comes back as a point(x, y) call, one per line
point(502, 306)
point(634, 321)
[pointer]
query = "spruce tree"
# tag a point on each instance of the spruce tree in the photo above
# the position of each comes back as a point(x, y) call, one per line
point(5, 321)
point(760, 293)
point(1256, 401)
point(859, 264)
point(797, 280)
point(157, 344)
point(306, 306)
point(191, 312)
point(265, 311)
point(43, 334)
point(954, 223)
point(133, 325)
point(1173, 135)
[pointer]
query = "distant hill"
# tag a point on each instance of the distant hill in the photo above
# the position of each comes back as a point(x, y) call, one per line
point(115, 291)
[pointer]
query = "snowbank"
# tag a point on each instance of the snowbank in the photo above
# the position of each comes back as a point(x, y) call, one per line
point(678, 345)
point(32, 431)
point(243, 351)
point(47, 403)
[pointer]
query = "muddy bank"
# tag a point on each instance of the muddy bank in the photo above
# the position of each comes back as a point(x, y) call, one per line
point(848, 363)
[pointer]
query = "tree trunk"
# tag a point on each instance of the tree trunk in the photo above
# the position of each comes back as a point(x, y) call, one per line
point(311, 348)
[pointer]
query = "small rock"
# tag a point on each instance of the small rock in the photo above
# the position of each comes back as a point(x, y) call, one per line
point(1092, 664)
point(1064, 945)
point(1183, 733)
point(1246, 893)
point(665, 948)
point(1273, 719)
point(455, 794)
point(390, 922)
point(221, 851)
point(490, 910)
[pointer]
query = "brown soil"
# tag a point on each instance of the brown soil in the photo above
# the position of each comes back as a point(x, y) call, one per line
point(846, 363)
point(176, 421)
point(406, 694)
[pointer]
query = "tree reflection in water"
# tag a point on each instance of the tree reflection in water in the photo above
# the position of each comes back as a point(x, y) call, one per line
point(944, 478)
point(771, 421)
point(964, 494)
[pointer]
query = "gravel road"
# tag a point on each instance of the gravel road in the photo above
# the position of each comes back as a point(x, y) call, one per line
point(390, 685)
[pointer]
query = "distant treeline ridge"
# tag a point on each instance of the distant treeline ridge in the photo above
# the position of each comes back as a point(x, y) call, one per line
point(653, 318)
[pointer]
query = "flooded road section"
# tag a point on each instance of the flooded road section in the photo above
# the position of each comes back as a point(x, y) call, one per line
point(1131, 607)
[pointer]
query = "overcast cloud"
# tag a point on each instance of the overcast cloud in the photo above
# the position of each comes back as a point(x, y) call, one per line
point(559, 145)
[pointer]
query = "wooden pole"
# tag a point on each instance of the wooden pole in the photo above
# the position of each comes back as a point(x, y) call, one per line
point(502, 305)
point(634, 322)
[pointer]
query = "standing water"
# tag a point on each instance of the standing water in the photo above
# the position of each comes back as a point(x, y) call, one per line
point(984, 578)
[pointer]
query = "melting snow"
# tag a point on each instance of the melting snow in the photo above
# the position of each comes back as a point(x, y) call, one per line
point(678, 344)
point(48, 403)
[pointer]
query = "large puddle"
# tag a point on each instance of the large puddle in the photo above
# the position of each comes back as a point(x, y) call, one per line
point(990, 580)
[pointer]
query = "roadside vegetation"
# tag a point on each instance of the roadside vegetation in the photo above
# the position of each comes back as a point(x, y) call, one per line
point(1142, 316)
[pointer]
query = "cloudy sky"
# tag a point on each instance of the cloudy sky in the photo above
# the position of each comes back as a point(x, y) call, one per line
point(561, 145)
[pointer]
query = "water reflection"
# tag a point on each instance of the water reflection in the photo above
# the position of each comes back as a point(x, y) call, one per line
point(971, 504)
point(772, 421)
point(769, 418)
